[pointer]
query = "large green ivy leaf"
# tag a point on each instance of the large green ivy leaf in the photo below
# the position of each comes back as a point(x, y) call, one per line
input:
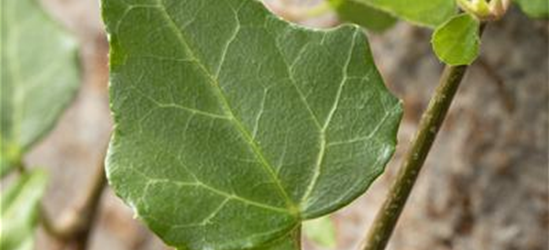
point(19, 213)
point(457, 42)
point(292, 241)
point(429, 13)
point(233, 126)
point(363, 15)
point(39, 77)
point(535, 8)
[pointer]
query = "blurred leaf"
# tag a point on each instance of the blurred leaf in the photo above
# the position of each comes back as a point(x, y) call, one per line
point(363, 15)
point(28, 244)
point(39, 77)
point(457, 41)
point(534, 8)
point(233, 125)
point(429, 13)
point(19, 213)
point(321, 231)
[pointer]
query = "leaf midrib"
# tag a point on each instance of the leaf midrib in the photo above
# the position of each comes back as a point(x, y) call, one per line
point(323, 139)
point(291, 206)
point(196, 182)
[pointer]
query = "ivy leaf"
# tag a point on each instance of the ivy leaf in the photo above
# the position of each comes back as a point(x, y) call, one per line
point(19, 213)
point(233, 126)
point(534, 8)
point(288, 242)
point(457, 41)
point(321, 231)
point(39, 77)
point(430, 13)
point(363, 15)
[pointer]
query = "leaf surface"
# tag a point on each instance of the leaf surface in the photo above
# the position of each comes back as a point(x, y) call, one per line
point(429, 13)
point(233, 126)
point(457, 42)
point(19, 213)
point(289, 242)
point(534, 8)
point(39, 77)
point(363, 15)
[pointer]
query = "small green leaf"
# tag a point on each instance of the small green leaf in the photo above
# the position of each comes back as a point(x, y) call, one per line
point(233, 126)
point(321, 231)
point(363, 15)
point(19, 213)
point(39, 77)
point(457, 41)
point(429, 13)
point(534, 8)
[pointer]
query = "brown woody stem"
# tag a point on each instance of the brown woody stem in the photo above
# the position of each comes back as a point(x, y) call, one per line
point(75, 228)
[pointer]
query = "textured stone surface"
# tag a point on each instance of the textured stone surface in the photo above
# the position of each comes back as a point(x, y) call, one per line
point(485, 185)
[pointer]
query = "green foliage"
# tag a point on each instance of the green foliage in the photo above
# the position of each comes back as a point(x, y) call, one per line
point(429, 13)
point(321, 231)
point(19, 213)
point(363, 15)
point(457, 41)
point(39, 77)
point(478, 8)
point(233, 126)
point(289, 242)
point(535, 8)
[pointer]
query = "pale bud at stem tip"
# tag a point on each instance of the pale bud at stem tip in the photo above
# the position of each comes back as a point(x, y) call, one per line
point(485, 11)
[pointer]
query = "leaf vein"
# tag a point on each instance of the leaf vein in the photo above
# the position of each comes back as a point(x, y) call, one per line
point(372, 134)
point(245, 134)
point(323, 139)
point(289, 69)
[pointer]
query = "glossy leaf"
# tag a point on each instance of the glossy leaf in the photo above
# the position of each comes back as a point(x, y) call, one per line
point(321, 231)
point(233, 126)
point(19, 213)
point(429, 13)
point(534, 8)
point(39, 77)
point(363, 15)
point(457, 42)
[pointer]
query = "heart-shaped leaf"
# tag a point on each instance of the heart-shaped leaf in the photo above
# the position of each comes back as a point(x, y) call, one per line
point(457, 42)
point(233, 126)
point(39, 77)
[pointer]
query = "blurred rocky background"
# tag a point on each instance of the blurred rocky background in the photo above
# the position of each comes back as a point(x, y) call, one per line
point(485, 184)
